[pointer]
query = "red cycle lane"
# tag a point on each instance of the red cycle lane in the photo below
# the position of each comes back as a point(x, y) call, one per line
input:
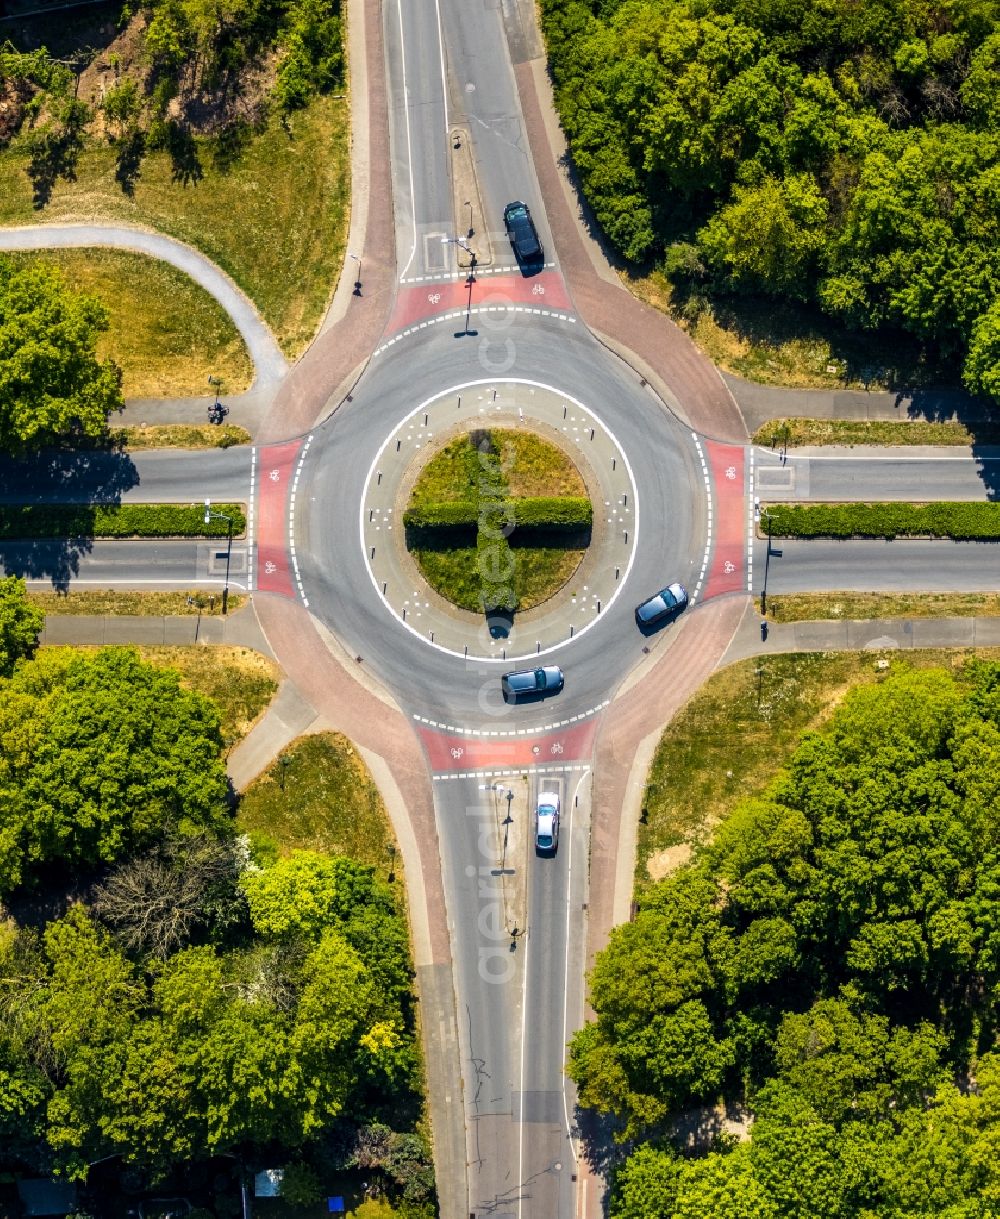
point(274, 563)
point(728, 570)
point(418, 302)
point(454, 752)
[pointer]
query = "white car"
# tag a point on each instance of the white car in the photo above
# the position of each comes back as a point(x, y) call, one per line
point(547, 823)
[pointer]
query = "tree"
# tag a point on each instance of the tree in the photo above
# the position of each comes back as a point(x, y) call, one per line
point(20, 624)
point(982, 363)
point(52, 386)
point(101, 755)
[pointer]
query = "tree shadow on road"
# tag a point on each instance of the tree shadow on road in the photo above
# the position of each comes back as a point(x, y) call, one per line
point(64, 476)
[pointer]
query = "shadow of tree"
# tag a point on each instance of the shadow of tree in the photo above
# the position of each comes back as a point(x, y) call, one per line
point(83, 477)
point(128, 163)
point(52, 154)
point(185, 165)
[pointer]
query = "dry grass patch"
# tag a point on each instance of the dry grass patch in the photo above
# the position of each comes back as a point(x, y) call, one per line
point(122, 602)
point(859, 607)
point(166, 333)
point(849, 432)
point(318, 795)
point(181, 436)
point(536, 466)
point(276, 220)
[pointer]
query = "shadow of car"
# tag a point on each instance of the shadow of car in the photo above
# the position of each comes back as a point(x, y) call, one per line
point(532, 683)
point(661, 607)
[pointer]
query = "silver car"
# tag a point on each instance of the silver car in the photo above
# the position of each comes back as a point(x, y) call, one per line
point(662, 605)
point(547, 823)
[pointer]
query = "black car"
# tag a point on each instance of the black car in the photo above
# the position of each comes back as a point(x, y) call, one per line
point(532, 682)
point(662, 605)
point(523, 234)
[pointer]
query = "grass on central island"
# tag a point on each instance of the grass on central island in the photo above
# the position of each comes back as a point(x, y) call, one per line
point(530, 466)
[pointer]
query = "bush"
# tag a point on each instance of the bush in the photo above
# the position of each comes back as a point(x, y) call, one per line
point(944, 520)
point(19, 521)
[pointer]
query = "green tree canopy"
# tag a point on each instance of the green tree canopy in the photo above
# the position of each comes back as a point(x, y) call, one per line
point(52, 385)
point(20, 624)
point(99, 755)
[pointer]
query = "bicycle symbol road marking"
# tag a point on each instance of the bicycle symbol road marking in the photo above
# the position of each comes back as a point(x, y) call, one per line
point(270, 568)
point(557, 747)
point(728, 567)
point(274, 475)
point(538, 290)
point(730, 472)
point(456, 753)
point(433, 297)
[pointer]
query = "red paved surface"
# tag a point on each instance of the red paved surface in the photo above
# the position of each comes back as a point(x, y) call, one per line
point(417, 302)
point(728, 572)
point(454, 752)
point(274, 564)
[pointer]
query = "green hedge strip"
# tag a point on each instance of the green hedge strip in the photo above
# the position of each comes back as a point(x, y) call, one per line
point(530, 512)
point(944, 520)
point(23, 521)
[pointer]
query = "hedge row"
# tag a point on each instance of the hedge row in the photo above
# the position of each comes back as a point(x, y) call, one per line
point(546, 512)
point(19, 521)
point(960, 521)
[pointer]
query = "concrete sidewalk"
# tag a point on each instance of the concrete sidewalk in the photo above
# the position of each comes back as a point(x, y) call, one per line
point(176, 630)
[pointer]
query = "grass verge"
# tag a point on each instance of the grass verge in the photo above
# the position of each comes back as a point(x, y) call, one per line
point(180, 436)
point(539, 573)
point(859, 607)
point(733, 737)
point(890, 520)
point(275, 219)
point(116, 603)
point(166, 333)
point(20, 521)
point(789, 345)
point(318, 795)
point(793, 432)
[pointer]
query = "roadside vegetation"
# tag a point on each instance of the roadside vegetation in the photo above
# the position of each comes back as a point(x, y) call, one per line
point(226, 129)
point(22, 521)
point(498, 520)
point(888, 520)
point(822, 954)
point(115, 601)
point(858, 607)
point(165, 333)
point(785, 164)
point(179, 436)
point(792, 433)
point(257, 996)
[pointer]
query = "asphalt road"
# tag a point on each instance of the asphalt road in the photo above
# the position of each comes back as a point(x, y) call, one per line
point(878, 474)
point(670, 532)
point(154, 476)
point(77, 563)
point(822, 565)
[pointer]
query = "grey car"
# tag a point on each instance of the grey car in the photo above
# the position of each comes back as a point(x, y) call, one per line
point(547, 823)
point(527, 682)
point(660, 606)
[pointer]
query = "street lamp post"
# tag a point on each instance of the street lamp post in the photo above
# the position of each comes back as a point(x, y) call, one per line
point(216, 383)
point(211, 514)
point(357, 282)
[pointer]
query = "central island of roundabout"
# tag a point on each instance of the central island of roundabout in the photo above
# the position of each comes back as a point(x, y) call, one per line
point(467, 543)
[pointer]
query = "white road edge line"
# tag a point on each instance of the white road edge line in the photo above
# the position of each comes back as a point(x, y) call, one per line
point(569, 908)
point(444, 83)
point(409, 141)
point(250, 518)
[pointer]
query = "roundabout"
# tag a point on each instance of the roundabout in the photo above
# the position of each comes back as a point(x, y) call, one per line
point(595, 587)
